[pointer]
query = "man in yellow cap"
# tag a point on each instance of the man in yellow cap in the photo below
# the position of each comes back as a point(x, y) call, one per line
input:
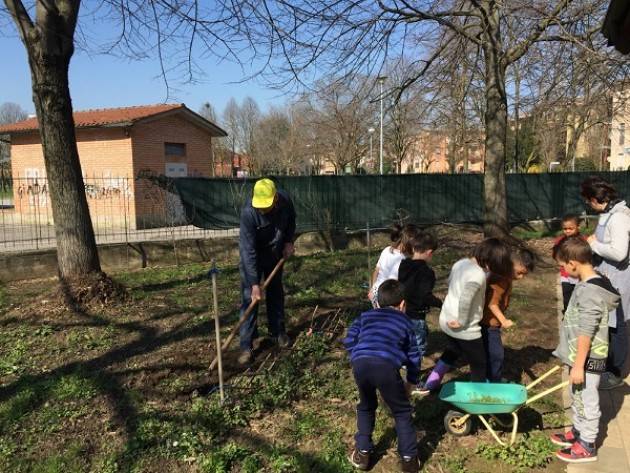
point(266, 234)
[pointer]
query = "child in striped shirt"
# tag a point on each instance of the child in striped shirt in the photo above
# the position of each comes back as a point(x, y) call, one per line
point(380, 342)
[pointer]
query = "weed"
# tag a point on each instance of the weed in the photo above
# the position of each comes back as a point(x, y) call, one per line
point(306, 424)
point(454, 464)
point(532, 451)
point(73, 386)
point(222, 459)
point(14, 360)
point(281, 462)
point(43, 331)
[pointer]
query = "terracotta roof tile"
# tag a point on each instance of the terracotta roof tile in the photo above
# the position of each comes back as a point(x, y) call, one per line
point(99, 117)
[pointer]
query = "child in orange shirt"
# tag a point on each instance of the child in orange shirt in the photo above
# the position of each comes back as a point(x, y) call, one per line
point(570, 228)
point(498, 291)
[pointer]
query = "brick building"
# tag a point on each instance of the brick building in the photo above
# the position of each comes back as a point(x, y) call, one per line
point(431, 151)
point(116, 146)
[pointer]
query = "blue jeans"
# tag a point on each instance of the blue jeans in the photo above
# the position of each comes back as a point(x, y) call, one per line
point(274, 297)
point(495, 353)
point(372, 374)
point(421, 331)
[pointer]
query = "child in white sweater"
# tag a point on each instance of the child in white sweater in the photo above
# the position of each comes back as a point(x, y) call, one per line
point(389, 261)
point(463, 309)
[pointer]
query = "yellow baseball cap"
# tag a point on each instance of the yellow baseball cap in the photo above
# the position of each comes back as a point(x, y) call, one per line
point(264, 193)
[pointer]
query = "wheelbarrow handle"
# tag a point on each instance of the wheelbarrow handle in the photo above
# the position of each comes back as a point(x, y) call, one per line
point(548, 391)
point(544, 376)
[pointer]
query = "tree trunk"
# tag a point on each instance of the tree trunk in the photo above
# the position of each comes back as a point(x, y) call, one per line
point(77, 255)
point(50, 44)
point(495, 202)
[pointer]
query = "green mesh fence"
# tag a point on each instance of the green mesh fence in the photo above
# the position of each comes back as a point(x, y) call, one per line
point(352, 202)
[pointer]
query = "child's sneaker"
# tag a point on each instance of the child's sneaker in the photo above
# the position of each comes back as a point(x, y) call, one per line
point(360, 459)
point(420, 390)
point(579, 452)
point(409, 464)
point(565, 439)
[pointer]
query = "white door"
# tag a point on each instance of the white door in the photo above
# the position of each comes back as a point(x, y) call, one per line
point(175, 214)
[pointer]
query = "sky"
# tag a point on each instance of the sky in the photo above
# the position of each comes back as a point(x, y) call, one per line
point(102, 81)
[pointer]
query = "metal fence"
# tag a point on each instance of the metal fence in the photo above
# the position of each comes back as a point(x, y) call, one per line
point(123, 210)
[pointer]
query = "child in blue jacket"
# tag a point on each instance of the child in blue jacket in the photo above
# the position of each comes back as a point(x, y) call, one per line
point(380, 342)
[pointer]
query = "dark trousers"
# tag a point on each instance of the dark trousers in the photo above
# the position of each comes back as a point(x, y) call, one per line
point(472, 351)
point(372, 374)
point(495, 353)
point(618, 344)
point(274, 298)
point(567, 291)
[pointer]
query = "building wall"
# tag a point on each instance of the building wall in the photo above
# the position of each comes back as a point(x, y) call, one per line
point(106, 165)
point(155, 206)
point(429, 154)
point(111, 159)
point(619, 134)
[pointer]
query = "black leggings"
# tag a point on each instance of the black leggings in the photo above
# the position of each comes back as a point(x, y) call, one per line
point(472, 351)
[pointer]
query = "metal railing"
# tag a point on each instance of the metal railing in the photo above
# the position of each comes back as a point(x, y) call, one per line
point(122, 209)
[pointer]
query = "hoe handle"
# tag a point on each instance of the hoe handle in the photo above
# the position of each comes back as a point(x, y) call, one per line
point(247, 312)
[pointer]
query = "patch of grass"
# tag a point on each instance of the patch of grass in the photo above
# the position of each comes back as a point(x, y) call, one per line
point(531, 451)
point(14, 359)
point(222, 459)
point(306, 424)
point(74, 386)
point(454, 464)
point(69, 461)
point(94, 338)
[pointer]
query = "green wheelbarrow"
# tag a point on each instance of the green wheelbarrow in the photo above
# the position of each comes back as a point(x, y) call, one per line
point(489, 399)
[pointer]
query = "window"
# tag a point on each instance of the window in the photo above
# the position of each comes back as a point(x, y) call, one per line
point(175, 149)
point(622, 134)
point(417, 164)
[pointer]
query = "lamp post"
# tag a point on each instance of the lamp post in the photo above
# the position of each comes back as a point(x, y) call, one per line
point(371, 131)
point(553, 164)
point(381, 81)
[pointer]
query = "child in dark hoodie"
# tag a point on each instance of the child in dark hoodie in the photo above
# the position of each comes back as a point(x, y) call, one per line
point(380, 342)
point(583, 347)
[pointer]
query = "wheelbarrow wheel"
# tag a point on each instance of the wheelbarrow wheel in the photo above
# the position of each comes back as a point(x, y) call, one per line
point(454, 427)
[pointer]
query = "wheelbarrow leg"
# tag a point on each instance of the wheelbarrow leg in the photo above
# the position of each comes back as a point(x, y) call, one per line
point(494, 434)
point(513, 425)
point(461, 421)
point(514, 428)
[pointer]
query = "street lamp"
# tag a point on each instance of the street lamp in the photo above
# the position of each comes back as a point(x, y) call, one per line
point(381, 81)
point(371, 131)
point(553, 164)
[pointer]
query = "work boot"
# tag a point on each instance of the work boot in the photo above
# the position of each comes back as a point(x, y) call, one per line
point(409, 464)
point(360, 459)
point(283, 340)
point(246, 357)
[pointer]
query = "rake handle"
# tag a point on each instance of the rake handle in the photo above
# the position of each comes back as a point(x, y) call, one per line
point(247, 312)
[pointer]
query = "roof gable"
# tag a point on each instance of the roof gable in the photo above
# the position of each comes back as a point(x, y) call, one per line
point(118, 117)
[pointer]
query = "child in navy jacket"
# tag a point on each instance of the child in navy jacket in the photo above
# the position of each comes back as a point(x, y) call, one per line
point(380, 342)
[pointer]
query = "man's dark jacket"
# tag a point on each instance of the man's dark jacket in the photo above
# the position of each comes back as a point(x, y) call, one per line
point(262, 236)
